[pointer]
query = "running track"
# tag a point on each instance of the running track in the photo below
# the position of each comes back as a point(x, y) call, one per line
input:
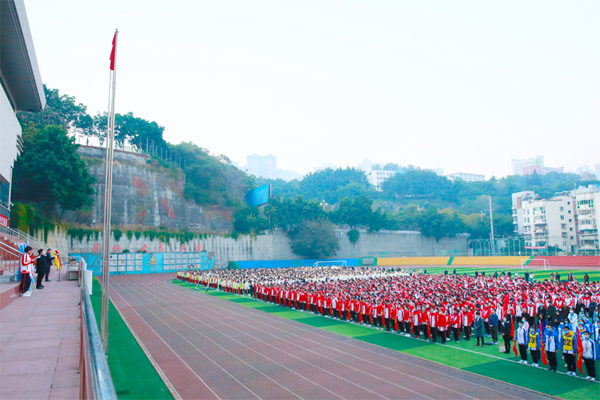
point(209, 348)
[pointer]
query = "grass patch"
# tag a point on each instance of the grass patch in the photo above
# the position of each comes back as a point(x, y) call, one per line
point(487, 361)
point(133, 374)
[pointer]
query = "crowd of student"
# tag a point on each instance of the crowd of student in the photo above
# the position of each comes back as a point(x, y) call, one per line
point(32, 265)
point(539, 319)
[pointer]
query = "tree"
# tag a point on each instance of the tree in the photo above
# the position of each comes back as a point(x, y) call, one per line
point(287, 214)
point(324, 184)
point(49, 171)
point(354, 213)
point(391, 167)
point(381, 220)
point(417, 183)
point(60, 110)
point(131, 129)
point(315, 239)
point(249, 220)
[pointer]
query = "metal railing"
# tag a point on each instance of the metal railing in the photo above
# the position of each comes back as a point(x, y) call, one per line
point(95, 379)
point(9, 258)
point(24, 237)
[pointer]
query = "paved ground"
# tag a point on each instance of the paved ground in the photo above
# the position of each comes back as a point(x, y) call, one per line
point(40, 344)
point(211, 348)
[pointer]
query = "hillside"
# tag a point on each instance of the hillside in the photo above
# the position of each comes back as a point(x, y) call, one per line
point(145, 195)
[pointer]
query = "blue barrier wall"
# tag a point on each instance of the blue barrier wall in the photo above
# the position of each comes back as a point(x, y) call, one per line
point(350, 262)
point(146, 263)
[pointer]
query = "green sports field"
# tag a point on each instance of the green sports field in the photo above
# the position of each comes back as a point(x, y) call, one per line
point(487, 361)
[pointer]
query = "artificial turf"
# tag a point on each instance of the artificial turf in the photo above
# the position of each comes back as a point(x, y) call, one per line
point(487, 361)
point(133, 374)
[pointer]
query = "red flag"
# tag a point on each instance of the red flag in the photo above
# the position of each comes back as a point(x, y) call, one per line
point(579, 352)
point(512, 327)
point(544, 359)
point(112, 53)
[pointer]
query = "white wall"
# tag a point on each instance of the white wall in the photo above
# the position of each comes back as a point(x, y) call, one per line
point(9, 133)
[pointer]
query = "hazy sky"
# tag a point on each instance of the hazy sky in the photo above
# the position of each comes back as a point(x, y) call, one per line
point(461, 85)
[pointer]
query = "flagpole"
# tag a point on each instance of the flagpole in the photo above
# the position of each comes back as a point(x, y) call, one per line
point(108, 200)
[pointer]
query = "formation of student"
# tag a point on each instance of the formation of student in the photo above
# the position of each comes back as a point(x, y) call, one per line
point(537, 320)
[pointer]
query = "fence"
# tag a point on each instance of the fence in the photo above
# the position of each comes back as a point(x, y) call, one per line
point(20, 236)
point(9, 259)
point(95, 379)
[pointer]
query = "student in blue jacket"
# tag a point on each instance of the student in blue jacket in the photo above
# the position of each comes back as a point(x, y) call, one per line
point(590, 355)
point(522, 339)
point(551, 346)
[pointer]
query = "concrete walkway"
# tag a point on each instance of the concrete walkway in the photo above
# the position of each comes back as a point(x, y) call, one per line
point(40, 344)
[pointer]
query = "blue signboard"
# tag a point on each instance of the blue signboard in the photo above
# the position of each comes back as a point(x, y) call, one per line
point(258, 196)
point(147, 263)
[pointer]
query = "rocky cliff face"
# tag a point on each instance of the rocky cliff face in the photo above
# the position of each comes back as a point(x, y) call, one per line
point(145, 195)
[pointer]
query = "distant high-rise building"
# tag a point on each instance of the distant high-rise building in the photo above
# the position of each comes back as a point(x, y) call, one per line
point(546, 222)
point(588, 218)
point(597, 170)
point(518, 165)
point(467, 177)
point(262, 166)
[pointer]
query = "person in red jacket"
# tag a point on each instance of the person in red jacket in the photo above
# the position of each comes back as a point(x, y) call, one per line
point(416, 318)
point(455, 322)
point(423, 322)
point(441, 325)
point(467, 321)
point(433, 326)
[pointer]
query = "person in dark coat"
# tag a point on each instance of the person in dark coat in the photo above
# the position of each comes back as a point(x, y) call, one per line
point(49, 260)
point(40, 268)
point(507, 334)
point(479, 328)
point(557, 318)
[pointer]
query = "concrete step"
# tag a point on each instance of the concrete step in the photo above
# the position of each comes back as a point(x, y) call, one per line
point(9, 292)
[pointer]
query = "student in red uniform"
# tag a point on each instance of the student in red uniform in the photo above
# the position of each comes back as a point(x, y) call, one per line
point(455, 321)
point(441, 325)
point(433, 316)
point(26, 266)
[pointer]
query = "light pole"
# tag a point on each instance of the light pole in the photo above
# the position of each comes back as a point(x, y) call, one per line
point(493, 244)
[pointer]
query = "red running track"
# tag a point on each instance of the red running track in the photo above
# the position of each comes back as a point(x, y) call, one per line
point(209, 348)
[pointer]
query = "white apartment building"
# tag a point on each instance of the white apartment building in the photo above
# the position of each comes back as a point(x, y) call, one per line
point(518, 165)
point(262, 166)
point(588, 218)
point(376, 177)
point(21, 89)
point(549, 222)
point(518, 199)
point(467, 177)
